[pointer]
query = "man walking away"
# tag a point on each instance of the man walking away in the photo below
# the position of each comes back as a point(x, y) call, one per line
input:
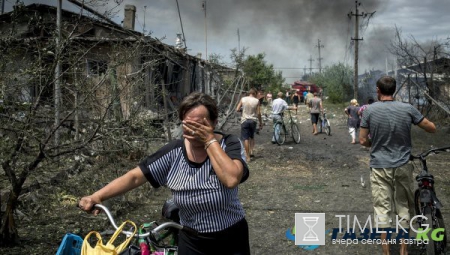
point(295, 99)
point(251, 111)
point(278, 108)
point(389, 124)
point(288, 97)
point(315, 106)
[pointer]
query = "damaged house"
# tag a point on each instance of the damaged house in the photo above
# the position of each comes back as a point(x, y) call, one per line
point(101, 67)
point(421, 84)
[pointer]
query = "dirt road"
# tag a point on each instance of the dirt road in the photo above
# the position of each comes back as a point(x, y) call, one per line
point(322, 174)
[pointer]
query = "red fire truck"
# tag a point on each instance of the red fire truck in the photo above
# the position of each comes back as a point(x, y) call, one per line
point(302, 86)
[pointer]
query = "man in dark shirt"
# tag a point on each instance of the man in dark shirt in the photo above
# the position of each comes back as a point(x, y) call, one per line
point(315, 106)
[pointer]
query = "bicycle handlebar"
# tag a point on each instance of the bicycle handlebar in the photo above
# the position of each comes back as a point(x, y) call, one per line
point(154, 231)
point(423, 155)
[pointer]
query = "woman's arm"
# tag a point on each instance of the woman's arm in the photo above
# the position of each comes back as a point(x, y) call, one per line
point(228, 171)
point(346, 112)
point(131, 180)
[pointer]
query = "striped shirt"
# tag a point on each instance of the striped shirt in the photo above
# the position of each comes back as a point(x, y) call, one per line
point(205, 204)
point(389, 125)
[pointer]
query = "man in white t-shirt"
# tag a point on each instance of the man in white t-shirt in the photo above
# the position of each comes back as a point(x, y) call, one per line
point(278, 108)
point(251, 111)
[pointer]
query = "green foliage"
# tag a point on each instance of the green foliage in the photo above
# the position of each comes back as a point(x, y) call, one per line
point(215, 58)
point(336, 82)
point(237, 57)
point(260, 74)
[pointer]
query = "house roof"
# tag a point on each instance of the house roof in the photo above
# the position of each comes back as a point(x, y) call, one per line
point(120, 33)
point(440, 65)
point(32, 9)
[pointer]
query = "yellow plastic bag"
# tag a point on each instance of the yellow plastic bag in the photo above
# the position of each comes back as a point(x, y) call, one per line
point(108, 248)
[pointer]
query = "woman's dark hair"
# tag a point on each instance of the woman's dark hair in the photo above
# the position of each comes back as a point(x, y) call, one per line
point(196, 99)
point(387, 85)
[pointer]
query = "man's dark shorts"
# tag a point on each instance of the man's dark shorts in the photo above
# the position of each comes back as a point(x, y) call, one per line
point(314, 118)
point(248, 129)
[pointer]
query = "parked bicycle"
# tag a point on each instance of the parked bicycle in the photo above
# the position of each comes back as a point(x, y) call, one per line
point(161, 238)
point(324, 124)
point(428, 205)
point(281, 130)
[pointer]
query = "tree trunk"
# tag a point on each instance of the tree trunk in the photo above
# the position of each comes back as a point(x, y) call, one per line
point(8, 231)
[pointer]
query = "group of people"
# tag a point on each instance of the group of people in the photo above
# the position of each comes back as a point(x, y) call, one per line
point(204, 168)
point(291, 97)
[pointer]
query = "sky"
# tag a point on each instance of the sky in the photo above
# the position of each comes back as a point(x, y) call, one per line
point(287, 31)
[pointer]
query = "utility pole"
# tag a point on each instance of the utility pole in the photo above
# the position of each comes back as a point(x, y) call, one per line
point(356, 39)
point(387, 71)
point(206, 32)
point(239, 42)
point(310, 64)
point(143, 28)
point(320, 59)
point(2, 5)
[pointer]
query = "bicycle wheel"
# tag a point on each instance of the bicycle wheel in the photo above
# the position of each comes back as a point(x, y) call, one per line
point(327, 127)
point(430, 247)
point(280, 133)
point(295, 133)
point(440, 246)
point(319, 125)
point(417, 202)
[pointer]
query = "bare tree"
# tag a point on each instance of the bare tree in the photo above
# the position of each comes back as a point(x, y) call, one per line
point(101, 104)
point(422, 56)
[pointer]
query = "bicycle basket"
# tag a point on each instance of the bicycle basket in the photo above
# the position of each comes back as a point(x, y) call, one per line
point(171, 211)
point(70, 245)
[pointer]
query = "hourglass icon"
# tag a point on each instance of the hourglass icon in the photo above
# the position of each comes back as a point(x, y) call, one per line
point(310, 235)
